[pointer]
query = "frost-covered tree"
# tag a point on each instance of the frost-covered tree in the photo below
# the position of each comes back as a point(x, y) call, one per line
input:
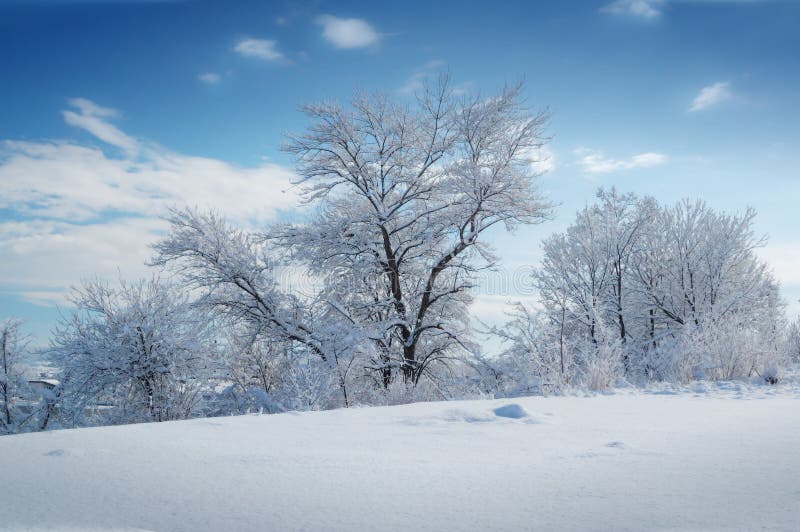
point(275, 376)
point(636, 289)
point(254, 369)
point(235, 272)
point(16, 409)
point(793, 341)
point(237, 277)
point(403, 196)
point(710, 280)
point(136, 352)
point(22, 408)
point(625, 220)
point(406, 194)
point(538, 357)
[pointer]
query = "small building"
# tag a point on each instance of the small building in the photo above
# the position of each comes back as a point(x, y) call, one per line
point(42, 385)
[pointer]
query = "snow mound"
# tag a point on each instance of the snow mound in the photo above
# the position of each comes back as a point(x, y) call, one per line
point(513, 411)
point(504, 413)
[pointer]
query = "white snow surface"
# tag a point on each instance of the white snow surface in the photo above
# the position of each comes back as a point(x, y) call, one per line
point(706, 457)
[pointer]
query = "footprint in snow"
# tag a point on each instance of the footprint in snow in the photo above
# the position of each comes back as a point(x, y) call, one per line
point(618, 445)
point(622, 446)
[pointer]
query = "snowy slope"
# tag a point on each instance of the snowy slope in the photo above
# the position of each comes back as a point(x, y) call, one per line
point(725, 459)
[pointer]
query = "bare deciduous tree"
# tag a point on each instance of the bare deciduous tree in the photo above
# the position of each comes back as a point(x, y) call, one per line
point(403, 194)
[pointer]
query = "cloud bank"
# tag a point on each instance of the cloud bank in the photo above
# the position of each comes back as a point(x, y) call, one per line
point(72, 210)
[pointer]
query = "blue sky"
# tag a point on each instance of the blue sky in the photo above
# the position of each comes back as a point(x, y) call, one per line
point(113, 110)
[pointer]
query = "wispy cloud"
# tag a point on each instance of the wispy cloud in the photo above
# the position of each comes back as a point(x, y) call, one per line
point(210, 78)
point(595, 162)
point(348, 33)
point(264, 49)
point(417, 80)
point(428, 72)
point(653, 9)
point(542, 160)
point(643, 9)
point(92, 118)
point(91, 211)
point(712, 95)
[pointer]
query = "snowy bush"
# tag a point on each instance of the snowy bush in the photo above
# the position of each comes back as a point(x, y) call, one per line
point(600, 364)
point(137, 352)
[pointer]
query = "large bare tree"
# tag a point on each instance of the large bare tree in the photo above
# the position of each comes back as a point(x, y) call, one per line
point(403, 193)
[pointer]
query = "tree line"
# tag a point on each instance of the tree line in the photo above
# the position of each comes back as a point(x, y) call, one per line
point(637, 290)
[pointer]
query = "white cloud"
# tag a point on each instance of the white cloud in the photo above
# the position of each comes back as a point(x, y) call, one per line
point(542, 160)
point(595, 162)
point(347, 32)
point(211, 78)
point(91, 117)
point(260, 48)
point(77, 210)
point(33, 249)
point(417, 80)
point(72, 182)
point(644, 9)
point(88, 107)
point(784, 259)
point(712, 95)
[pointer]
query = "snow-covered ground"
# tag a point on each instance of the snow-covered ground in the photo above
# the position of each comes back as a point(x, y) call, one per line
point(707, 457)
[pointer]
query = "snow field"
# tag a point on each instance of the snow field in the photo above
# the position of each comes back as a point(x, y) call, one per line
point(720, 459)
